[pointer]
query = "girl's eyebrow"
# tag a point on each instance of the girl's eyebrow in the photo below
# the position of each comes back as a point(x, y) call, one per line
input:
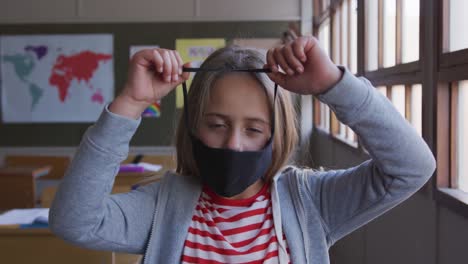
point(254, 119)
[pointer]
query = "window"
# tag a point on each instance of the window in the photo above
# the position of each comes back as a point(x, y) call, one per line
point(337, 29)
point(344, 43)
point(321, 110)
point(325, 117)
point(325, 5)
point(392, 54)
point(321, 115)
point(372, 37)
point(345, 35)
point(430, 91)
point(391, 41)
point(397, 95)
point(324, 36)
point(344, 52)
point(407, 99)
point(336, 48)
point(321, 7)
point(456, 22)
point(410, 31)
point(382, 89)
point(415, 109)
point(353, 36)
point(461, 136)
point(389, 33)
point(392, 33)
point(458, 140)
point(452, 99)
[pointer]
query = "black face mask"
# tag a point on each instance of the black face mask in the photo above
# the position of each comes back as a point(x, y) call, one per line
point(228, 172)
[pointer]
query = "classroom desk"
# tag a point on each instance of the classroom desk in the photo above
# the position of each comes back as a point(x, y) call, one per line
point(123, 183)
point(39, 245)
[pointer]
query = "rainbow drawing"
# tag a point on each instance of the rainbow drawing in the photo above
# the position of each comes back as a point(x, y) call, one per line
point(154, 110)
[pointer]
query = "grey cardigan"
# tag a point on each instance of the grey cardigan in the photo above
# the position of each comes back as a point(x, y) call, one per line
point(313, 209)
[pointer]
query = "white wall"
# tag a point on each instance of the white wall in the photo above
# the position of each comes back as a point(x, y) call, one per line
point(73, 11)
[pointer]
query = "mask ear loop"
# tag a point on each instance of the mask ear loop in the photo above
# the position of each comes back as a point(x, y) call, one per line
point(184, 87)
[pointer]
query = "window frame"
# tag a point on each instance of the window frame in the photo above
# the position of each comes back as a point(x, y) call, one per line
point(424, 71)
point(328, 15)
point(449, 69)
point(445, 182)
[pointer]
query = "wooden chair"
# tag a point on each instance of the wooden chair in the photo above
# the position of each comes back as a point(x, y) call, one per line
point(58, 165)
point(18, 186)
point(47, 196)
point(123, 181)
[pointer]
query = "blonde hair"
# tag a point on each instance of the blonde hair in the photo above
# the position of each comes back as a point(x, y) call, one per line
point(233, 57)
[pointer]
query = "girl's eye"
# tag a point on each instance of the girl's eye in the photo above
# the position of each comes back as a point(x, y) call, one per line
point(255, 130)
point(216, 125)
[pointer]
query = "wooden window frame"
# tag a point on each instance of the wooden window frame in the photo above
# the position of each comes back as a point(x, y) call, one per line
point(401, 73)
point(422, 71)
point(337, 7)
point(316, 103)
point(445, 182)
point(453, 135)
point(452, 67)
point(408, 102)
point(317, 116)
point(435, 71)
point(317, 112)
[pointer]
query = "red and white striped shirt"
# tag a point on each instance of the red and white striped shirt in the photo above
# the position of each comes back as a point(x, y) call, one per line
point(232, 231)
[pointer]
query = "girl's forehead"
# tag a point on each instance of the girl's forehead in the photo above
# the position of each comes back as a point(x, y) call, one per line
point(238, 85)
point(238, 93)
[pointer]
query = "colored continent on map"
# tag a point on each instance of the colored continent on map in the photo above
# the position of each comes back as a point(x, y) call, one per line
point(97, 97)
point(36, 93)
point(24, 65)
point(40, 51)
point(80, 66)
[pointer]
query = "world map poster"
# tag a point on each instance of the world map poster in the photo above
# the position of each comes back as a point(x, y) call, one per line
point(55, 78)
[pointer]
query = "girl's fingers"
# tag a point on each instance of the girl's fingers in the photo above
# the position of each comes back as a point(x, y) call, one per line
point(291, 59)
point(278, 78)
point(183, 77)
point(298, 49)
point(271, 60)
point(175, 67)
point(167, 67)
point(278, 55)
point(179, 60)
point(169, 64)
point(158, 61)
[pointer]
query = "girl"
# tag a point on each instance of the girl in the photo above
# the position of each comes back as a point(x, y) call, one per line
point(232, 199)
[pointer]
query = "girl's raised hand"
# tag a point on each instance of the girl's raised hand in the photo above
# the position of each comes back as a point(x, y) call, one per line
point(306, 68)
point(152, 74)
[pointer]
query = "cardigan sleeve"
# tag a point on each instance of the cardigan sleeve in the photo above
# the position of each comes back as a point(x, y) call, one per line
point(401, 162)
point(84, 212)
